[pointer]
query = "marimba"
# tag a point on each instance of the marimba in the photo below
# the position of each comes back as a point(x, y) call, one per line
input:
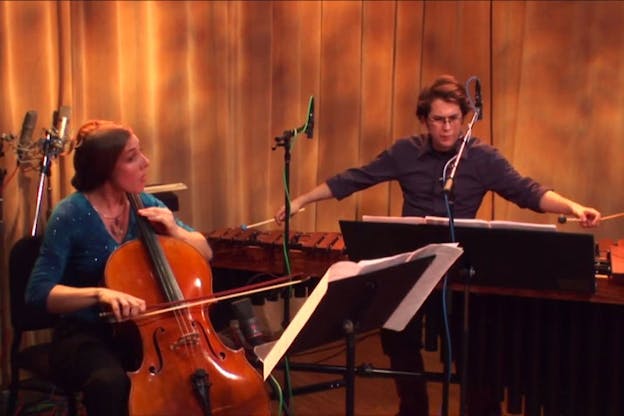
point(262, 251)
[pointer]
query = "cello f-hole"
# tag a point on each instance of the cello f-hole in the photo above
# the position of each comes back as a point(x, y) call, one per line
point(153, 369)
point(220, 354)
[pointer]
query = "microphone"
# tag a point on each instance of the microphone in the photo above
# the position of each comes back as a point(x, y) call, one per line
point(247, 321)
point(310, 123)
point(60, 120)
point(478, 100)
point(28, 127)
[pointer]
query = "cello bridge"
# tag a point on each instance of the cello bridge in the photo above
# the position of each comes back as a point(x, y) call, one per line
point(190, 339)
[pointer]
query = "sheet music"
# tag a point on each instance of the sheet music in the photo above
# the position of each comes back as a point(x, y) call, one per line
point(459, 222)
point(515, 225)
point(463, 222)
point(402, 220)
point(445, 257)
point(345, 269)
point(271, 352)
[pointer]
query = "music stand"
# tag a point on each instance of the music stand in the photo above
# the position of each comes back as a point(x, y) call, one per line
point(509, 258)
point(360, 303)
point(366, 300)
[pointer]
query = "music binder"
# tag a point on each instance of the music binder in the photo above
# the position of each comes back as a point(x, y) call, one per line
point(381, 292)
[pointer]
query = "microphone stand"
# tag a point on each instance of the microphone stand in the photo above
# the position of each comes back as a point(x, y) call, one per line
point(44, 173)
point(50, 151)
point(449, 182)
point(3, 173)
point(285, 141)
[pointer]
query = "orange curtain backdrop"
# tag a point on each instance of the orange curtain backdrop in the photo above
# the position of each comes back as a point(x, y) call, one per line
point(557, 103)
point(207, 86)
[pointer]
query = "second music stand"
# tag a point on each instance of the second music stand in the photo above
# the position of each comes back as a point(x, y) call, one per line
point(353, 304)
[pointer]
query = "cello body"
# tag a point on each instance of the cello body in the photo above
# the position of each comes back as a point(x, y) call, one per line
point(184, 368)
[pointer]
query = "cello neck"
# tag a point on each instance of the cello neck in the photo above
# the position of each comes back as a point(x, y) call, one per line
point(166, 279)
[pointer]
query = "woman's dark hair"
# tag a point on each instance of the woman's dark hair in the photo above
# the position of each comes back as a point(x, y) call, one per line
point(445, 88)
point(98, 146)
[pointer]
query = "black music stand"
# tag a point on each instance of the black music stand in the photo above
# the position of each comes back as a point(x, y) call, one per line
point(510, 258)
point(353, 305)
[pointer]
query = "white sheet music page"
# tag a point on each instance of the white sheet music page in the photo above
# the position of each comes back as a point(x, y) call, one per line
point(445, 257)
point(271, 352)
point(459, 222)
point(344, 269)
point(479, 223)
point(401, 220)
point(462, 222)
point(515, 225)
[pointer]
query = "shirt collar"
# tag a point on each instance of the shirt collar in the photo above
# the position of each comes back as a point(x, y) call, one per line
point(428, 148)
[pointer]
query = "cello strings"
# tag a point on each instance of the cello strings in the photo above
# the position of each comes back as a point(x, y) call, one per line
point(162, 269)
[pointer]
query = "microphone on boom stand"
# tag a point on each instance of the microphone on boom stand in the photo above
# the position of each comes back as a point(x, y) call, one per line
point(24, 147)
point(477, 106)
point(448, 183)
point(25, 138)
point(59, 135)
point(285, 141)
point(478, 100)
point(248, 322)
point(53, 145)
point(309, 126)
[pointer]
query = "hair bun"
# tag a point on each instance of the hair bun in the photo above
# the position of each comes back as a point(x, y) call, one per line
point(89, 127)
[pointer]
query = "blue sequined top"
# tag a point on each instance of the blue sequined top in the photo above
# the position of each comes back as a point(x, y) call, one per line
point(75, 248)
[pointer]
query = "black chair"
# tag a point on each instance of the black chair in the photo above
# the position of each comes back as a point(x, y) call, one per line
point(33, 359)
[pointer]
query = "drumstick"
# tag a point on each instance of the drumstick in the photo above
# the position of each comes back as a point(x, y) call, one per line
point(270, 220)
point(563, 219)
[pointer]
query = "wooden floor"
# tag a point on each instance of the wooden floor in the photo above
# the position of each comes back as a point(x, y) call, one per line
point(373, 395)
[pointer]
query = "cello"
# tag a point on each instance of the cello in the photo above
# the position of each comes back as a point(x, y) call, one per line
point(183, 367)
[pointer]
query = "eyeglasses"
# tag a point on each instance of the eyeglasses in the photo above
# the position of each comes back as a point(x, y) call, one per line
point(441, 120)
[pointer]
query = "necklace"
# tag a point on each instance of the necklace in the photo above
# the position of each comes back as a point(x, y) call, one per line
point(117, 230)
point(114, 223)
point(116, 218)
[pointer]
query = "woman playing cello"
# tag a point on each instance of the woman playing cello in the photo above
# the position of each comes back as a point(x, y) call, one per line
point(83, 231)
